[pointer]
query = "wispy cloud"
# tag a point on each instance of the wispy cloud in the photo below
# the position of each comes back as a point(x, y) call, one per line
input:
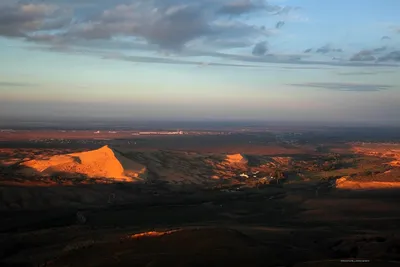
point(299, 67)
point(15, 84)
point(328, 49)
point(351, 87)
point(293, 59)
point(356, 73)
point(173, 61)
point(279, 24)
point(394, 28)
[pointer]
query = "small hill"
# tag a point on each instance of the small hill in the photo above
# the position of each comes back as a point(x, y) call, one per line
point(100, 163)
point(284, 161)
point(235, 159)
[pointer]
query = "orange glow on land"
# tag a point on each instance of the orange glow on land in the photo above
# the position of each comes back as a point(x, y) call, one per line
point(391, 152)
point(100, 163)
point(152, 234)
point(343, 183)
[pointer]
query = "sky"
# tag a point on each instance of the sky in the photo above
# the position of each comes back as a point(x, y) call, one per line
point(278, 60)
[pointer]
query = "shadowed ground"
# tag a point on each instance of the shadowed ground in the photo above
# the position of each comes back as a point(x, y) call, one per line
point(248, 230)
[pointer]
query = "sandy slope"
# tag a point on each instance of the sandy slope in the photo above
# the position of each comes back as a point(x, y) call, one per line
point(343, 183)
point(236, 158)
point(389, 151)
point(100, 163)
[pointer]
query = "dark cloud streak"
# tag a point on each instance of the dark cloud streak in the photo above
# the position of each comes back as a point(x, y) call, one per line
point(349, 87)
point(279, 24)
point(328, 49)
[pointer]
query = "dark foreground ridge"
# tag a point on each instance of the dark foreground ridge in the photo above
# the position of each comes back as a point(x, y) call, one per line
point(292, 228)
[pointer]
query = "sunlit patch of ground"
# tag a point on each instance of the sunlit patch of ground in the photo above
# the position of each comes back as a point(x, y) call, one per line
point(282, 160)
point(100, 163)
point(235, 158)
point(152, 234)
point(389, 151)
point(366, 185)
point(395, 163)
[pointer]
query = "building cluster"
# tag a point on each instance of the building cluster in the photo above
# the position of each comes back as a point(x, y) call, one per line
point(68, 141)
point(260, 176)
point(161, 133)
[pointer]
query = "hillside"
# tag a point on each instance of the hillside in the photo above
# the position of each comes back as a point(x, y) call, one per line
point(101, 163)
point(236, 159)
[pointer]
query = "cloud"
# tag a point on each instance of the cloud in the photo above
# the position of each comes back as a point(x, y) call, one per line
point(363, 72)
point(230, 59)
point(169, 24)
point(372, 55)
point(169, 60)
point(15, 84)
point(260, 49)
point(385, 38)
point(188, 28)
point(172, 61)
point(395, 28)
point(17, 20)
point(170, 28)
point(364, 55)
point(240, 7)
point(279, 24)
point(303, 68)
point(357, 73)
point(379, 49)
point(325, 49)
point(350, 87)
point(285, 59)
point(392, 56)
point(328, 49)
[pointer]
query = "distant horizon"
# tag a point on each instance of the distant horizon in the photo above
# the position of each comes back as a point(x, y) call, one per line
point(170, 123)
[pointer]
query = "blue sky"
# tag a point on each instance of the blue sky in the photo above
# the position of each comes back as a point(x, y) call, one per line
point(293, 60)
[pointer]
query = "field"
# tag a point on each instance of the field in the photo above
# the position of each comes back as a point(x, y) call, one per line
point(237, 199)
